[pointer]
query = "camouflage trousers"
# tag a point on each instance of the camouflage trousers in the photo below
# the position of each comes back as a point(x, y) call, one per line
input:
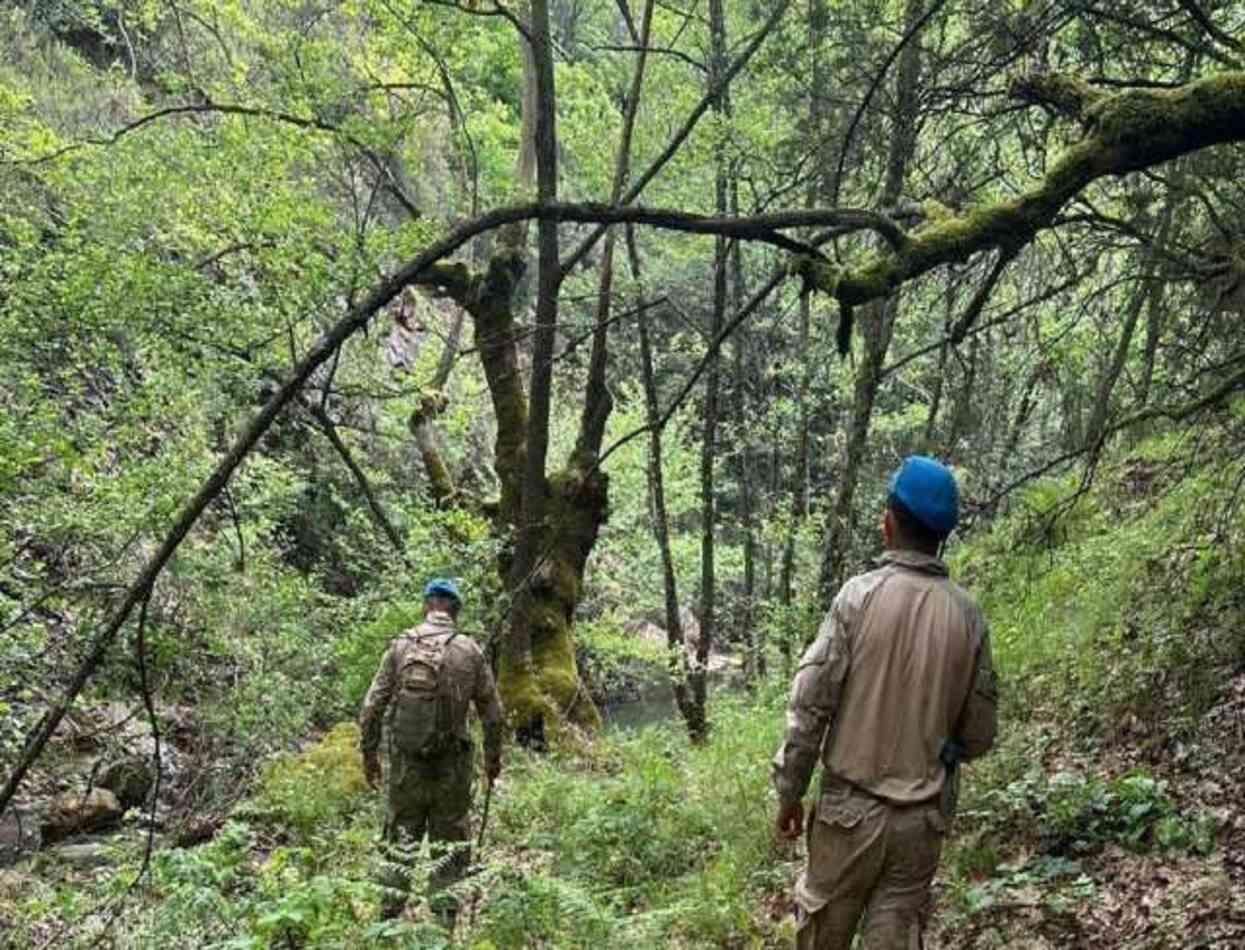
point(427, 797)
point(869, 859)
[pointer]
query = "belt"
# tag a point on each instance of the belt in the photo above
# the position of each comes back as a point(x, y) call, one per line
point(828, 781)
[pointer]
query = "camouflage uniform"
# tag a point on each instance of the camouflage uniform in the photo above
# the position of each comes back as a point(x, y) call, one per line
point(432, 795)
point(901, 665)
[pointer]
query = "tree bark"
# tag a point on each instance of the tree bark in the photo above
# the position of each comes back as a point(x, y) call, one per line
point(676, 648)
point(698, 727)
point(877, 329)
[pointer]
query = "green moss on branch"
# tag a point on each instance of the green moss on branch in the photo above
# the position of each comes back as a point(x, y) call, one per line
point(1128, 131)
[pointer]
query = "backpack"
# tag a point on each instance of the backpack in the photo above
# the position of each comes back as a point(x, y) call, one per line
point(422, 723)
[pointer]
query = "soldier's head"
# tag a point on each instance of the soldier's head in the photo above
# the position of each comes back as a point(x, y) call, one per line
point(441, 595)
point(922, 507)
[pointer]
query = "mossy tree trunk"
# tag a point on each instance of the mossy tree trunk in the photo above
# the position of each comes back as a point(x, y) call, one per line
point(555, 519)
point(544, 684)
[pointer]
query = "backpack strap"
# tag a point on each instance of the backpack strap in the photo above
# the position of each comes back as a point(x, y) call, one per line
point(417, 632)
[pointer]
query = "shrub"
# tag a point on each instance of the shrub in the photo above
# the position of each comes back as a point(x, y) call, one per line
point(320, 785)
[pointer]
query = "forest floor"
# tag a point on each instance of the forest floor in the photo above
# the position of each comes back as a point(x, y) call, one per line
point(1109, 816)
point(1140, 897)
point(604, 847)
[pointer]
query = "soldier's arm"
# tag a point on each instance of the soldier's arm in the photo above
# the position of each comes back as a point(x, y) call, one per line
point(814, 700)
point(980, 719)
point(488, 707)
point(378, 696)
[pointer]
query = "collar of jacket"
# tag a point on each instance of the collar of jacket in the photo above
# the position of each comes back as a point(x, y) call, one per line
point(914, 560)
point(440, 619)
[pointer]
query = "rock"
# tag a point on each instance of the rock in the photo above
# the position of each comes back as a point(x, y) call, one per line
point(197, 830)
point(19, 835)
point(13, 886)
point(130, 779)
point(91, 854)
point(72, 812)
point(649, 632)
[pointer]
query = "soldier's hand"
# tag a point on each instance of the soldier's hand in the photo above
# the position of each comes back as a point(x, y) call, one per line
point(492, 770)
point(371, 770)
point(790, 821)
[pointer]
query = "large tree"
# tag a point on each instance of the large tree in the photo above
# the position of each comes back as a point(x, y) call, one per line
point(854, 255)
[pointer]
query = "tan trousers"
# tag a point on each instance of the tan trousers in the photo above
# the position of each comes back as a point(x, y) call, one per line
point(870, 859)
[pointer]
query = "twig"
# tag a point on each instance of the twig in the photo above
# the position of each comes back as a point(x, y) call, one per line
point(1173, 413)
point(237, 527)
point(677, 140)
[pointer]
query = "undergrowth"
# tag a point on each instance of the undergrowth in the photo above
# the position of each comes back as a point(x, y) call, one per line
point(1105, 604)
point(640, 840)
point(1120, 602)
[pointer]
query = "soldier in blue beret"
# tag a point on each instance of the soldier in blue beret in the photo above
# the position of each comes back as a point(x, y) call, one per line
point(896, 690)
point(427, 680)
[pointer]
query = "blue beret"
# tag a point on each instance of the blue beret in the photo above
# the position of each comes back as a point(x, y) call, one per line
point(442, 586)
point(927, 488)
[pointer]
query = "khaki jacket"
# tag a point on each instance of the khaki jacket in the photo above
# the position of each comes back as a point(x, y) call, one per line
point(469, 676)
point(901, 664)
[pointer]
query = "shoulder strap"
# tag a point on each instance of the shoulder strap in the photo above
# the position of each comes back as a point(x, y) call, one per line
point(419, 631)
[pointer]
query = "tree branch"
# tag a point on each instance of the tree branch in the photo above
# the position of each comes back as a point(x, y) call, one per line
point(1128, 131)
point(913, 31)
point(676, 142)
point(1065, 95)
point(1172, 413)
point(327, 426)
point(1199, 15)
point(654, 50)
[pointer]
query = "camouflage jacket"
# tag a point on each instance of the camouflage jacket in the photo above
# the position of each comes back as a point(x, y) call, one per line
point(900, 665)
point(469, 678)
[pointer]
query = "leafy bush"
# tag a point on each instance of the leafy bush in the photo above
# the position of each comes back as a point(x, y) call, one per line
point(1079, 813)
point(318, 786)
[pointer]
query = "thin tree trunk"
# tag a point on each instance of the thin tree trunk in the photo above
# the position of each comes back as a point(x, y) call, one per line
point(755, 665)
point(676, 649)
point(1155, 318)
point(928, 435)
point(877, 327)
point(818, 187)
point(1027, 404)
point(800, 481)
point(1148, 288)
point(698, 673)
point(597, 401)
point(962, 405)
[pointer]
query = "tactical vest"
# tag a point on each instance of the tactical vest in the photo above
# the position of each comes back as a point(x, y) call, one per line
point(422, 724)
